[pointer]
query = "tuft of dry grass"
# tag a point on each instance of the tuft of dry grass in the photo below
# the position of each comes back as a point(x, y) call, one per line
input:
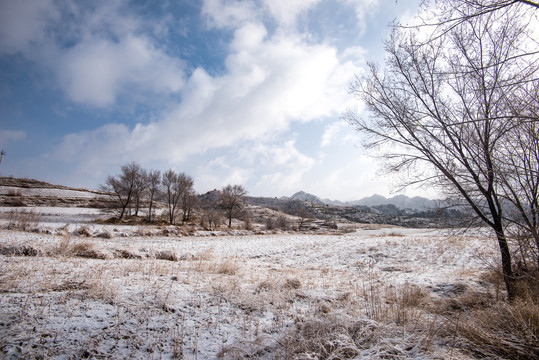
point(84, 230)
point(23, 250)
point(169, 255)
point(504, 330)
point(90, 251)
point(228, 267)
point(292, 283)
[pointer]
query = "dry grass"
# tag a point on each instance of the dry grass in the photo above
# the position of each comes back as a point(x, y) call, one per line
point(169, 255)
point(90, 250)
point(335, 338)
point(292, 283)
point(24, 220)
point(509, 331)
point(263, 307)
point(228, 267)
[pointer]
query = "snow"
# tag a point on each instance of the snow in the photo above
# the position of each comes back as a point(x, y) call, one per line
point(48, 192)
point(223, 293)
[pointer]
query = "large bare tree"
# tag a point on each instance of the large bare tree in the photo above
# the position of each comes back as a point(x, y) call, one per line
point(124, 186)
point(442, 109)
point(231, 200)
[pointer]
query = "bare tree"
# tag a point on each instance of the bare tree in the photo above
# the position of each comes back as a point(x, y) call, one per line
point(176, 186)
point(153, 181)
point(441, 110)
point(189, 201)
point(169, 182)
point(519, 178)
point(231, 200)
point(211, 218)
point(303, 216)
point(122, 187)
point(187, 196)
point(444, 15)
point(139, 189)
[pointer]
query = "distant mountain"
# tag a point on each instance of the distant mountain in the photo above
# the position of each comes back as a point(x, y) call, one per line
point(373, 200)
point(303, 196)
point(415, 203)
point(400, 201)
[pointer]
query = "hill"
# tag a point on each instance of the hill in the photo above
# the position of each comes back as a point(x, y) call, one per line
point(301, 210)
point(19, 192)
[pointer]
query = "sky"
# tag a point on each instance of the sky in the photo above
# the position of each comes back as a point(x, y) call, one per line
point(229, 92)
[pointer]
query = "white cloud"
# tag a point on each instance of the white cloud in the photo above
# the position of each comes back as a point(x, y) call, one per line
point(97, 71)
point(220, 172)
point(286, 11)
point(339, 133)
point(11, 135)
point(363, 9)
point(270, 81)
point(23, 23)
point(233, 13)
point(96, 53)
point(283, 167)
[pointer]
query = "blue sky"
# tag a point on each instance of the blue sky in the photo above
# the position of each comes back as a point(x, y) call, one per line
point(230, 92)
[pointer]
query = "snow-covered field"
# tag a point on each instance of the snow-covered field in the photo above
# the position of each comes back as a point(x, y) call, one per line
point(266, 296)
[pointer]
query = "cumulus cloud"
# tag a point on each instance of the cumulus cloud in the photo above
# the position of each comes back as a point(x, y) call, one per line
point(98, 70)
point(96, 53)
point(270, 81)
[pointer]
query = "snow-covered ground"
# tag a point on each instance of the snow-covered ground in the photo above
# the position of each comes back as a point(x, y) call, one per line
point(49, 192)
point(231, 296)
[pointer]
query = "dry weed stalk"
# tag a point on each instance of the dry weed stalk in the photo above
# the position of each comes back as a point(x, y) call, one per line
point(228, 267)
point(24, 220)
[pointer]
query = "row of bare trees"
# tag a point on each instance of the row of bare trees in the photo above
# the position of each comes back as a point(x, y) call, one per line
point(136, 187)
point(456, 107)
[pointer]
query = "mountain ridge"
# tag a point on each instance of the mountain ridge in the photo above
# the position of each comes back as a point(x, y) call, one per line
point(400, 201)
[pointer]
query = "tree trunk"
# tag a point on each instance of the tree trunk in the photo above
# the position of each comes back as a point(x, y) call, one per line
point(125, 206)
point(150, 210)
point(137, 204)
point(536, 237)
point(507, 269)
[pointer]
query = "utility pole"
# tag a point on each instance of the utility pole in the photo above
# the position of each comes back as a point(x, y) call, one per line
point(2, 153)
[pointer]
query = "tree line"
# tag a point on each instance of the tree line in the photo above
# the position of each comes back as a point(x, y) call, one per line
point(136, 188)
